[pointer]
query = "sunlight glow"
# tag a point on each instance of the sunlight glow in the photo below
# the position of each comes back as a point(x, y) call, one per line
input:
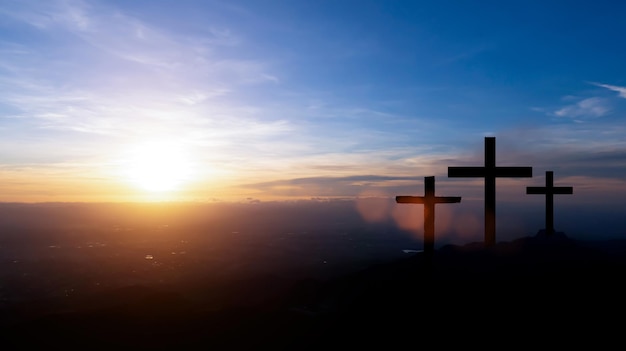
point(159, 166)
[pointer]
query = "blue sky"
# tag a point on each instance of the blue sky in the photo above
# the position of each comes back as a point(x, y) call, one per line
point(300, 99)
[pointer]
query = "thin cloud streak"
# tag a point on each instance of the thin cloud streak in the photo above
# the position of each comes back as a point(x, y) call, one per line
point(618, 89)
point(590, 107)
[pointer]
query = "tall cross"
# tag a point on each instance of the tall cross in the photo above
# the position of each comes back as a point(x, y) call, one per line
point(429, 200)
point(549, 190)
point(490, 172)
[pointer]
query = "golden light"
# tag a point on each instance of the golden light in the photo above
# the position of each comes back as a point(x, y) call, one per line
point(373, 205)
point(410, 218)
point(159, 166)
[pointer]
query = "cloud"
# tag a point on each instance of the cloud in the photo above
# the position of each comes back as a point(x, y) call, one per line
point(101, 71)
point(97, 81)
point(583, 149)
point(348, 186)
point(620, 90)
point(590, 107)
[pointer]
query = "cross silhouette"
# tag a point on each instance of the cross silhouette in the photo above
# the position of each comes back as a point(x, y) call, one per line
point(549, 190)
point(429, 200)
point(490, 172)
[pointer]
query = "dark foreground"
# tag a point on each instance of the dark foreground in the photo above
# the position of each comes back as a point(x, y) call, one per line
point(535, 291)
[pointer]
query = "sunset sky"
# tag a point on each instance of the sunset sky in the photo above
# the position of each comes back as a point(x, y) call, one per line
point(239, 100)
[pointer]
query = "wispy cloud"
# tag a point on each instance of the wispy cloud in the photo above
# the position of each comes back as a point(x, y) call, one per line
point(105, 72)
point(589, 107)
point(618, 89)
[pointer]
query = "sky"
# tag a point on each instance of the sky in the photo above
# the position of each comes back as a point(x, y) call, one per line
point(113, 101)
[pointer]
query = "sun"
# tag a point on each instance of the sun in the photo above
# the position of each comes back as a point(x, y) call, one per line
point(159, 166)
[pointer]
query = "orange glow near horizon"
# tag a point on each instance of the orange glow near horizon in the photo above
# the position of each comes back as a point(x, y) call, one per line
point(409, 218)
point(140, 172)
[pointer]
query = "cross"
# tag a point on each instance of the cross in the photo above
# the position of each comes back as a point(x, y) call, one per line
point(549, 190)
point(429, 200)
point(490, 172)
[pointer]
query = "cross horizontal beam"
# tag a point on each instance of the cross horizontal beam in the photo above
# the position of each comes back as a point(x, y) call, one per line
point(541, 190)
point(481, 172)
point(423, 200)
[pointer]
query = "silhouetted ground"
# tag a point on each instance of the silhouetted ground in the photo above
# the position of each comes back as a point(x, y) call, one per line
point(538, 290)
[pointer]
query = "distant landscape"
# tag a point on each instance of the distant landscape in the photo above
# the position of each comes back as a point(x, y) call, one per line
point(102, 275)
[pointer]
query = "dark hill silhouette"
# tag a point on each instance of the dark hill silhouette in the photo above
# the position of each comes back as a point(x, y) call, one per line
point(539, 283)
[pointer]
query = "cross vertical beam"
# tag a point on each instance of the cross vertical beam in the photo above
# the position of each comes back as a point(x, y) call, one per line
point(549, 190)
point(490, 172)
point(490, 190)
point(429, 200)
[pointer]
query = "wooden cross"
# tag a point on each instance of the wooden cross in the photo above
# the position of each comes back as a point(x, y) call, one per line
point(490, 172)
point(549, 190)
point(429, 200)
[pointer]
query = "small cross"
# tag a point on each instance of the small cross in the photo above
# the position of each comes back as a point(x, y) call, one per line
point(490, 172)
point(429, 200)
point(549, 190)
